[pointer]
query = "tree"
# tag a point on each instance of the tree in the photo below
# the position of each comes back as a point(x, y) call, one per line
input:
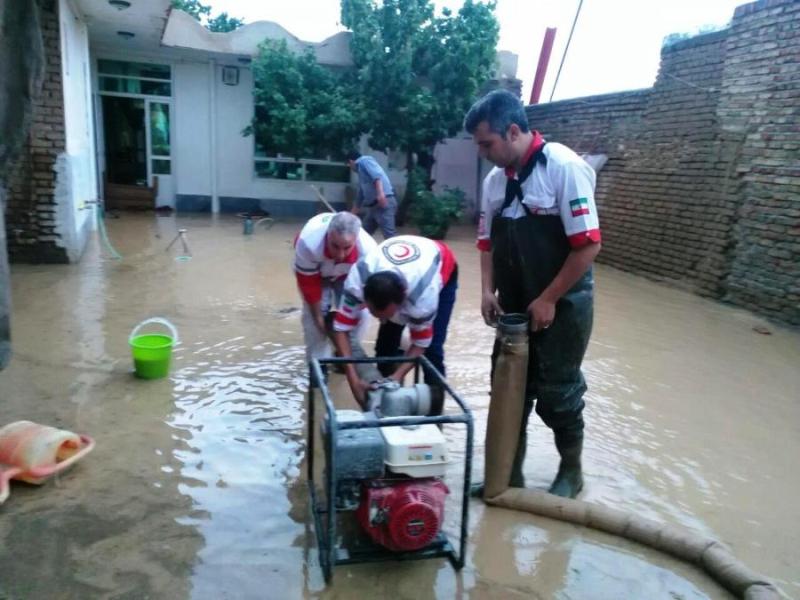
point(221, 23)
point(302, 109)
point(418, 73)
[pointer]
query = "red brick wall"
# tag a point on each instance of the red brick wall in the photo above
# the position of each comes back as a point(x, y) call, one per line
point(30, 213)
point(760, 106)
point(702, 187)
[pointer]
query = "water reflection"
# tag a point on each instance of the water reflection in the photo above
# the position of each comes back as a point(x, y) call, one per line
point(196, 487)
point(242, 421)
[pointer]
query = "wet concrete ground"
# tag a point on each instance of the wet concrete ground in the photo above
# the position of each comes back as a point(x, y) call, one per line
point(196, 488)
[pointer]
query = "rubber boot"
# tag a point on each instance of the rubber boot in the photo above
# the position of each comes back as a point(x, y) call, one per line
point(569, 480)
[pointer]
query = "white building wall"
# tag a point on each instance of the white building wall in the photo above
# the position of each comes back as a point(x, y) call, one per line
point(77, 177)
point(457, 166)
point(229, 165)
point(227, 168)
point(190, 140)
point(234, 156)
point(235, 153)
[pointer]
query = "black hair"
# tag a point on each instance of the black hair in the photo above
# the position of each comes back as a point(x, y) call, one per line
point(353, 155)
point(500, 109)
point(384, 288)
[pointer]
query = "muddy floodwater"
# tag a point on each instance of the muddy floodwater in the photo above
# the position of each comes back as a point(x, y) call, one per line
point(196, 488)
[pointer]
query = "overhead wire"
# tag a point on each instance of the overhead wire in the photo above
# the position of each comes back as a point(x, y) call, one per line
point(564, 55)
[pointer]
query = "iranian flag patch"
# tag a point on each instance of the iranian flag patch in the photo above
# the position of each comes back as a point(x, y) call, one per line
point(579, 206)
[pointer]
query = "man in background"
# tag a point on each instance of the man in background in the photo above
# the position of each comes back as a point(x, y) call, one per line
point(376, 200)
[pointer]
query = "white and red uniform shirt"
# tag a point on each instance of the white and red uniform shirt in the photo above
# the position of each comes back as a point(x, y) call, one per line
point(424, 265)
point(564, 186)
point(313, 265)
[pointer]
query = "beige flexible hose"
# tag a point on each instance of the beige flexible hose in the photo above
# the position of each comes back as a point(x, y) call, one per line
point(504, 421)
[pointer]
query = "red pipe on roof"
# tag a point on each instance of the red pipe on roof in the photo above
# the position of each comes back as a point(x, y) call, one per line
point(544, 60)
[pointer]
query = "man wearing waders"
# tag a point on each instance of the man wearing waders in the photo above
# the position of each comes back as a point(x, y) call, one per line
point(538, 236)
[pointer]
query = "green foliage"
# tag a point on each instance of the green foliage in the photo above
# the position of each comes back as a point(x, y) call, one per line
point(192, 7)
point(418, 73)
point(433, 214)
point(416, 182)
point(302, 109)
point(221, 23)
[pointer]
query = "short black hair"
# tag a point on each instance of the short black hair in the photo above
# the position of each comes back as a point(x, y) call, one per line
point(384, 288)
point(500, 109)
point(353, 155)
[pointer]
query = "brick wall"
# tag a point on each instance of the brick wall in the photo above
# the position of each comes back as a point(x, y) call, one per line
point(31, 210)
point(701, 186)
point(760, 106)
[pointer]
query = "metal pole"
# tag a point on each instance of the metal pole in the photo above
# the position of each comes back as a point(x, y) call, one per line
point(544, 61)
point(564, 56)
point(212, 125)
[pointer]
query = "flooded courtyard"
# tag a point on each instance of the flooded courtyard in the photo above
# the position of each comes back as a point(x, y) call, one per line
point(196, 488)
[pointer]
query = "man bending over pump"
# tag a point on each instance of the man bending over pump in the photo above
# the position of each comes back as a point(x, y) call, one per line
point(325, 250)
point(406, 281)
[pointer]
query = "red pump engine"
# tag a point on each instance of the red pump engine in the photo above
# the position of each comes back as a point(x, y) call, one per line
point(402, 515)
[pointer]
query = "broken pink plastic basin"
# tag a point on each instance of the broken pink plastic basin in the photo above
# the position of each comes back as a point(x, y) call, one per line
point(31, 452)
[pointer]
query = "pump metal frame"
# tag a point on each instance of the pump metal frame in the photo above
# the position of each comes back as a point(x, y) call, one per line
point(332, 553)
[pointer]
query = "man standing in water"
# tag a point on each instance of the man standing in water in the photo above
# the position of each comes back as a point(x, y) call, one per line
point(325, 249)
point(538, 237)
point(375, 195)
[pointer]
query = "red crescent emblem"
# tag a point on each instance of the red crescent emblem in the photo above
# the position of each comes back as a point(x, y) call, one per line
point(404, 251)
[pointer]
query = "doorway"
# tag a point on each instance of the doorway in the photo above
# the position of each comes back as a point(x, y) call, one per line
point(125, 140)
point(135, 100)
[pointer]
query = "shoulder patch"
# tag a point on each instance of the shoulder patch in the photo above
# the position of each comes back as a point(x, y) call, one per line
point(401, 252)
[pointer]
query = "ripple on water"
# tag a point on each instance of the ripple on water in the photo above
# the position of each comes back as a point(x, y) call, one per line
point(242, 422)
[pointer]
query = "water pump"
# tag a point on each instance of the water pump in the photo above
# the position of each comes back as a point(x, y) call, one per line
point(380, 495)
point(392, 476)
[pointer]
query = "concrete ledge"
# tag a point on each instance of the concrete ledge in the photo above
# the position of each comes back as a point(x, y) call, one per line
point(192, 203)
point(233, 205)
point(275, 207)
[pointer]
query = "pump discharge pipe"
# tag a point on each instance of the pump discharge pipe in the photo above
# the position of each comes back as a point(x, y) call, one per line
point(505, 415)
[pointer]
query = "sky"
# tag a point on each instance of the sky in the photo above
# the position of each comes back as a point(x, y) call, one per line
point(616, 44)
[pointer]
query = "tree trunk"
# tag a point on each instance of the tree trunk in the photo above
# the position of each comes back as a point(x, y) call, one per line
point(425, 161)
point(408, 195)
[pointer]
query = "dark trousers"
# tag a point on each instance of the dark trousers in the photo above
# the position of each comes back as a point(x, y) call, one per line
point(527, 255)
point(555, 381)
point(390, 334)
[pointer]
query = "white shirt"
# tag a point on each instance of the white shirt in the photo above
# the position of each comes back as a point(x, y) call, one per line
point(563, 187)
point(312, 265)
point(424, 266)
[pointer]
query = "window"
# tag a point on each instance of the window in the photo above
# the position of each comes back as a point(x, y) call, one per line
point(270, 166)
point(134, 78)
point(159, 138)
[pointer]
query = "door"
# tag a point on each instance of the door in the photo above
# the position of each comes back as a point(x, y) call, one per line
point(125, 140)
point(159, 158)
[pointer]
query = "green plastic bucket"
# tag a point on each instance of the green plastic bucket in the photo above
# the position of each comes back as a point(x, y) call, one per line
point(152, 351)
